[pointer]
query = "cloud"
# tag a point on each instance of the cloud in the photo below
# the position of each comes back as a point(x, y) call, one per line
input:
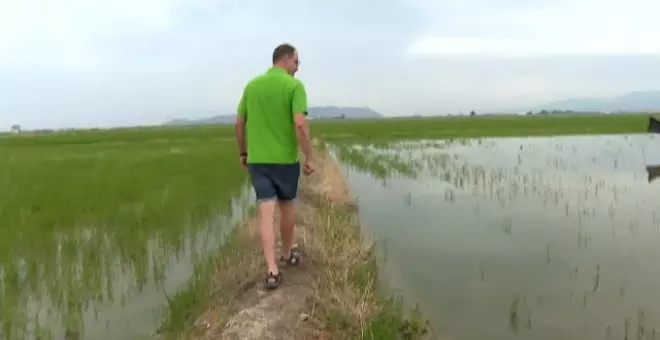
point(102, 62)
point(97, 34)
point(87, 62)
point(570, 28)
point(64, 33)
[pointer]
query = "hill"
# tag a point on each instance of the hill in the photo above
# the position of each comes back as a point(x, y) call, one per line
point(318, 112)
point(639, 101)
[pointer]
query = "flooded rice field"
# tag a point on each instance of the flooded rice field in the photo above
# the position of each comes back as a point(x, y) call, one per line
point(100, 285)
point(519, 238)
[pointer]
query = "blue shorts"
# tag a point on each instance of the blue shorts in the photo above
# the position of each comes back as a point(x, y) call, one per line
point(278, 181)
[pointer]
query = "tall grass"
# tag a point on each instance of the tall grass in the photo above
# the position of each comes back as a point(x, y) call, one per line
point(76, 213)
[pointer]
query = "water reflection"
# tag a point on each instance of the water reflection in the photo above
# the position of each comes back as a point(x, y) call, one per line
point(558, 233)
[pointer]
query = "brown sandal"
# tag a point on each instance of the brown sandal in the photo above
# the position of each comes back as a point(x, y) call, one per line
point(294, 257)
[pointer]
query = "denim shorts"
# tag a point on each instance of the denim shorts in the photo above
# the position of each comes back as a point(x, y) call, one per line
point(278, 181)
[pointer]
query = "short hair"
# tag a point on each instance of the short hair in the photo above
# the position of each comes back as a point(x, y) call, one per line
point(282, 51)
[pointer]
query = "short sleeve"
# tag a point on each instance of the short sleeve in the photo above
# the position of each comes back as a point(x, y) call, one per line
point(242, 105)
point(299, 100)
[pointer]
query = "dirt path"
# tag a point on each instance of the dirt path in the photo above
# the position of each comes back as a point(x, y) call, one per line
point(331, 294)
point(278, 314)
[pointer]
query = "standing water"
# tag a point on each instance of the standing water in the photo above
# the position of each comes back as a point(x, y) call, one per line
point(519, 238)
point(100, 285)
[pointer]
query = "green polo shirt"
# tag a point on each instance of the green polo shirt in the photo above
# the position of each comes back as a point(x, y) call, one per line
point(269, 103)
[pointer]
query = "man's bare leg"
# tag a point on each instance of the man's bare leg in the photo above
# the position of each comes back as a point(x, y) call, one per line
point(287, 224)
point(267, 233)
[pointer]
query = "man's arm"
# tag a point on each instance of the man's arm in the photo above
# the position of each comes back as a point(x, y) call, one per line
point(239, 126)
point(299, 110)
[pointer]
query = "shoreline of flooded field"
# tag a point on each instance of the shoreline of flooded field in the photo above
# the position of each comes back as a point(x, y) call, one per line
point(533, 238)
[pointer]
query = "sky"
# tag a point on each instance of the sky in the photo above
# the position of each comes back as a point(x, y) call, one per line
point(85, 63)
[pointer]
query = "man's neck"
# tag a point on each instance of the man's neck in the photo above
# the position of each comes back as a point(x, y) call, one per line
point(280, 67)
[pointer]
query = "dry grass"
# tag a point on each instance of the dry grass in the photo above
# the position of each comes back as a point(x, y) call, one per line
point(342, 270)
point(347, 300)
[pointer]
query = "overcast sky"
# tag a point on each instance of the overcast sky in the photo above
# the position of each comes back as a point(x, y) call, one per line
point(124, 62)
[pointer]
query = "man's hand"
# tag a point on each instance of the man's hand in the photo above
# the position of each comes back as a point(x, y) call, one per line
point(308, 167)
point(240, 138)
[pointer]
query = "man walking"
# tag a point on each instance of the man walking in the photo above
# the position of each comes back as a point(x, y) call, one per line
point(272, 111)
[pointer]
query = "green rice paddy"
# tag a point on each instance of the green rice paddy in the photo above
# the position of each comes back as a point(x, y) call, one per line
point(99, 226)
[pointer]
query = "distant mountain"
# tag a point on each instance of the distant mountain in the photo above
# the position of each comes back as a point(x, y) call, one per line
point(640, 101)
point(345, 112)
point(319, 112)
point(220, 119)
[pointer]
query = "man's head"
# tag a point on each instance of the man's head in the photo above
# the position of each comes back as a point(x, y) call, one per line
point(286, 57)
